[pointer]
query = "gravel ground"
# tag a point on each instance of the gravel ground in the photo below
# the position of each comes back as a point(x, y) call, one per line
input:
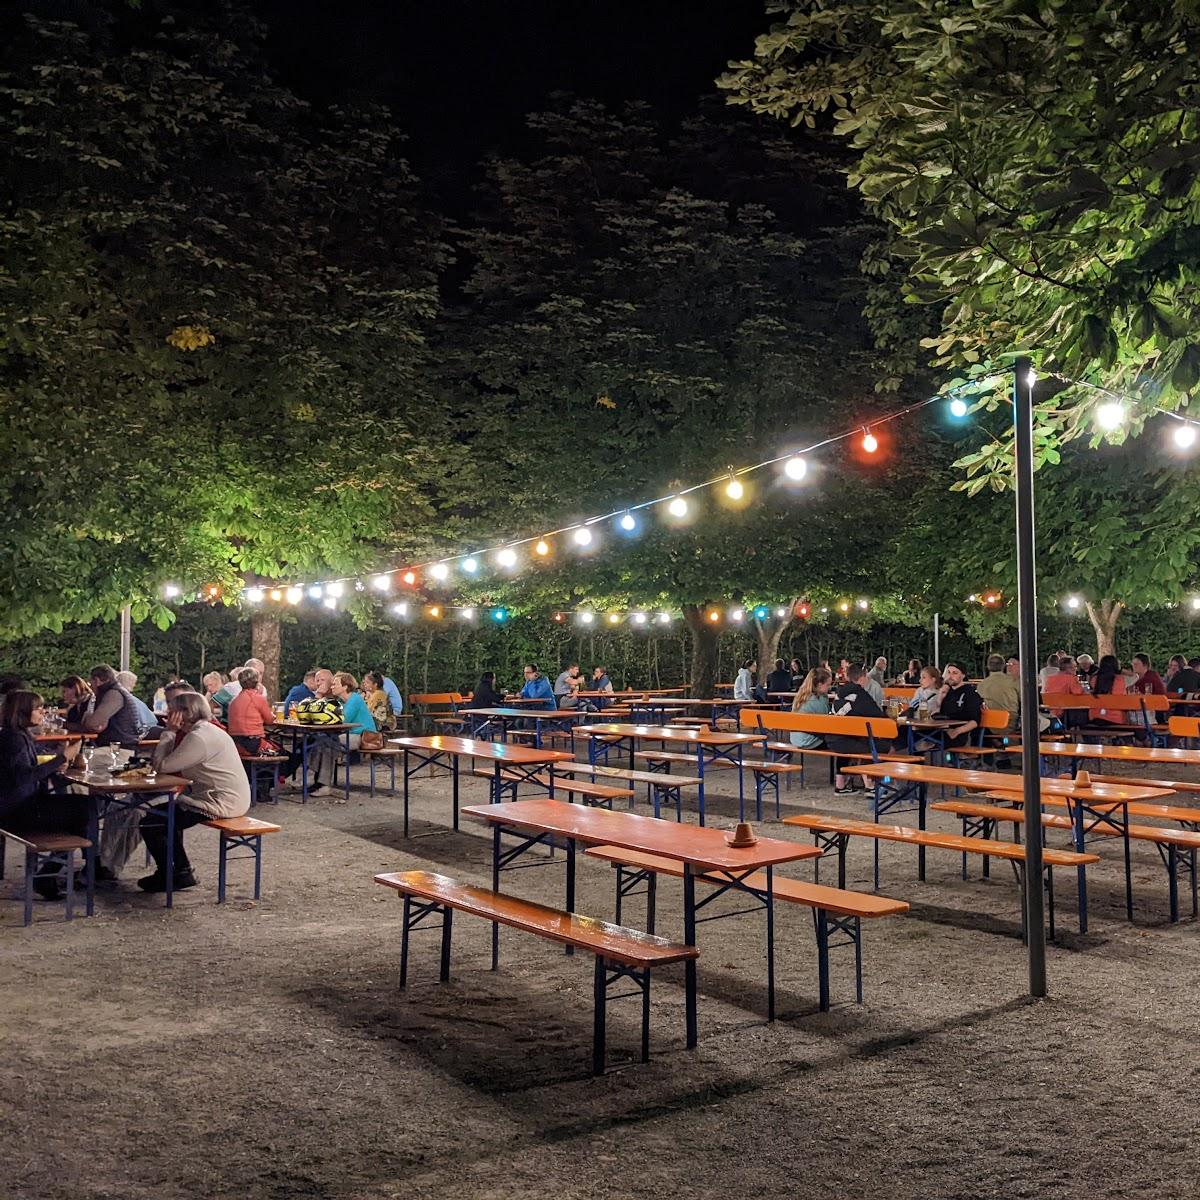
point(264, 1052)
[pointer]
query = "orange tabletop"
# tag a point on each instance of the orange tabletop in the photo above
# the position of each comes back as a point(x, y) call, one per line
point(702, 847)
point(515, 700)
point(721, 703)
point(1138, 754)
point(525, 716)
point(461, 747)
point(670, 733)
point(985, 781)
point(116, 784)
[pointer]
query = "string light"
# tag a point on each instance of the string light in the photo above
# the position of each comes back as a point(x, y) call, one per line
point(542, 548)
point(334, 589)
point(664, 618)
point(254, 595)
point(870, 442)
point(560, 617)
point(613, 619)
point(639, 618)
point(678, 507)
point(470, 565)
point(316, 592)
point(1110, 416)
point(958, 408)
point(507, 557)
point(276, 594)
point(213, 591)
point(583, 536)
point(440, 571)
point(628, 523)
point(736, 615)
point(586, 618)
point(1073, 602)
point(734, 489)
point(401, 609)
point(468, 614)
point(714, 616)
point(1185, 436)
point(382, 583)
point(1195, 603)
point(844, 606)
point(435, 611)
point(795, 468)
point(170, 590)
point(500, 615)
point(761, 613)
point(295, 595)
point(863, 604)
point(781, 613)
point(410, 578)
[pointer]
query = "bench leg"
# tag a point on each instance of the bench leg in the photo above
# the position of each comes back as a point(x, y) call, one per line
point(822, 958)
point(31, 866)
point(600, 997)
point(404, 941)
point(70, 885)
point(221, 869)
point(447, 926)
point(4, 846)
point(645, 982)
point(371, 758)
point(258, 866)
point(858, 988)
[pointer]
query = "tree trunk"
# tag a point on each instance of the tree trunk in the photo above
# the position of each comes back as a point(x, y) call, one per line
point(705, 642)
point(265, 644)
point(770, 634)
point(1104, 621)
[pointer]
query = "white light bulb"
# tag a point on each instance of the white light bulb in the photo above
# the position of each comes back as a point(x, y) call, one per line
point(734, 489)
point(1196, 602)
point(316, 591)
point(1185, 436)
point(381, 583)
point(586, 618)
point(1073, 602)
point(439, 571)
point(664, 618)
point(639, 618)
point(254, 595)
point(781, 613)
point(507, 557)
point(678, 507)
point(468, 614)
point(295, 595)
point(170, 590)
point(958, 407)
point(795, 467)
point(583, 536)
point(972, 598)
point(628, 523)
point(330, 602)
point(470, 565)
point(1110, 416)
point(334, 589)
point(862, 604)
point(401, 609)
point(736, 615)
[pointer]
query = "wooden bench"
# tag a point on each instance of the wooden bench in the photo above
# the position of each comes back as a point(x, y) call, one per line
point(240, 833)
point(591, 793)
point(620, 953)
point(256, 765)
point(835, 910)
point(660, 787)
point(39, 847)
point(993, 723)
point(388, 754)
point(983, 819)
point(440, 709)
point(833, 833)
point(1132, 703)
point(867, 729)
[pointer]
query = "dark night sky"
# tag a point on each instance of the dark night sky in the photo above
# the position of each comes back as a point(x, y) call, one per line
point(461, 74)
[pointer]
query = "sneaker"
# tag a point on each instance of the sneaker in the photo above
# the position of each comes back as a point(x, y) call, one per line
point(843, 791)
point(158, 882)
point(316, 789)
point(48, 885)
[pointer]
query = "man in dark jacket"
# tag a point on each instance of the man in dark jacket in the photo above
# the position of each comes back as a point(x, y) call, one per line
point(114, 720)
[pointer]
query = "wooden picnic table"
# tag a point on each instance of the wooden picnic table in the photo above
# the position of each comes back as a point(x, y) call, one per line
point(307, 735)
point(61, 736)
point(699, 849)
point(1134, 754)
point(521, 761)
point(136, 791)
point(506, 717)
point(1101, 803)
point(711, 746)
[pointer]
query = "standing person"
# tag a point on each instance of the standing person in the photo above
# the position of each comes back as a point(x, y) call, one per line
point(114, 719)
point(780, 679)
point(1149, 682)
point(853, 700)
point(485, 694)
point(537, 687)
point(743, 684)
point(343, 687)
point(812, 697)
point(960, 705)
point(999, 690)
point(912, 676)
point(79, 700)
point(204, 754)
point(146, 718)
point(27, 803)
point(249, 714)
point(300, 691)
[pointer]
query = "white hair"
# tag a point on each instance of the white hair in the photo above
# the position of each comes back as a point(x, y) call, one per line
point(127, 680)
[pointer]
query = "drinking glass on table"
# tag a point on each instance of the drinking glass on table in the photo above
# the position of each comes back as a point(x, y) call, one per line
point(88, 752)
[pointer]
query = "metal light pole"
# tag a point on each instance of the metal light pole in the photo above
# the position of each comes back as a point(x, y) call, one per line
point(937, 641)
point(126, 638)
point(1035, 927)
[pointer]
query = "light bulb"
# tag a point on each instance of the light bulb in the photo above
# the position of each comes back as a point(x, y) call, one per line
point(583, 536)
point(334, 589)
point(639, 618)
point(628, 522)
point(381, 583)
point(330, 602)
point(972, 598)
point(781, 613)
point(586, 618)
point(664, 618)
point(958, 407)
point(468, 614)
point(737, 614)
point(795, 467)
point(434, 611)
point(170, 590)
point(1185, 436)
point(714, 616)
point(862, 604)
point(1072, 601)
point(1110, 416)
point(542, 548)
point(734, 489)
point(316, 591)
point(254, 595)
point(501, 615)
point(507, 557)
point(401, 609)
point(470, 565)
point(276, 594)
point(678, 507)
point(760, 613)
point(613, 619)
point(440, 571)
point(844, 606)
point(1195, 602)
point(295, 595)
point(870, 442)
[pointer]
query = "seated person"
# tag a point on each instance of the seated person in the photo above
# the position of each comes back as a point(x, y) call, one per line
point(203, 753)
point(929, 691)
point(1108, 682)
point(566, 690)
point(912, 676)
point(485, 694)
point(960, 705)
point(537, 687)
point(1065, 681)
point(301, 691)
point(146, 718)
point(780, 679)
point(249, 714)
point(378, 702)
point(78, 699)
point(999, 690)
point(1186, 682)
point(812, 697)
point(27, 803)
point(854, 699)
point(343, 688)
point(114, 717)
point(1149, 682)
point(600, 682)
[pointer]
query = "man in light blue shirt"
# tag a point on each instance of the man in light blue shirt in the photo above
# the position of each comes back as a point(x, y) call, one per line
point(145, 718)
point(392, 692)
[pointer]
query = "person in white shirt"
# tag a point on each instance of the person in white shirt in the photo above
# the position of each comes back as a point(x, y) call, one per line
point(743, 685)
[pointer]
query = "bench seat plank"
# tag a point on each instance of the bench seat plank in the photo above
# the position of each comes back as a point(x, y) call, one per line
point(655, 778)
point(630, 947)
point(1186, 838)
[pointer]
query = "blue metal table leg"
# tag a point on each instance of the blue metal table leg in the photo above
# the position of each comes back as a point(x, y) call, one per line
point(495, 888)
point(171, 851)
point(823, 958)
point(406, 772)
point(689, 936)
point(770, 903)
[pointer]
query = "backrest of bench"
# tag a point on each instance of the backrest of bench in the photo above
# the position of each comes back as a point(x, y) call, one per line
point(995, 718)
point(819, 723)
point(899, 693)
point(1185, 727)
point(427, 699)
point(1128, 702)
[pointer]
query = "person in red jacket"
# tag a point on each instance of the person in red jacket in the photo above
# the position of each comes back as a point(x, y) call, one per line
point(1148, 682)
point(249, 713)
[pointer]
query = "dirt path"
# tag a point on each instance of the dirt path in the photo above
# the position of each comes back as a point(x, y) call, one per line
point(263, 1052)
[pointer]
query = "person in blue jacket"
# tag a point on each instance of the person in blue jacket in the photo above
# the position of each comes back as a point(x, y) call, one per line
point(537, 687)
point(302, 691)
